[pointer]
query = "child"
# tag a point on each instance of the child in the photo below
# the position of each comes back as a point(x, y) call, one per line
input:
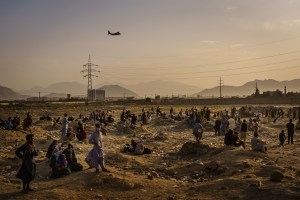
point(282, 138)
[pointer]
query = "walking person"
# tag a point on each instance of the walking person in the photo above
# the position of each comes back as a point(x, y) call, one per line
point(291, 129)
point(97, 153)
point(64, 129)
point(28, 169)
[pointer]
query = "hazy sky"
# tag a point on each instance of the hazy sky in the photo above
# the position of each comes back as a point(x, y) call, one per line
point(189, 41)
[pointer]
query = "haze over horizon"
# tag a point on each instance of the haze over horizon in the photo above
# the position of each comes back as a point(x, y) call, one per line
point(193, 42)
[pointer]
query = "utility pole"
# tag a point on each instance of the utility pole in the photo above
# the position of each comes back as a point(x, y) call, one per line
point(220, 83)
point(88, 72)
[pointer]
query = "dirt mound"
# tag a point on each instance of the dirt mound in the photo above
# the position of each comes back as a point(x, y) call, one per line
point(163, 122)
point(194, 148)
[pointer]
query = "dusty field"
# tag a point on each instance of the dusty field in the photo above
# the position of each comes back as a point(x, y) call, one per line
point(215, 172)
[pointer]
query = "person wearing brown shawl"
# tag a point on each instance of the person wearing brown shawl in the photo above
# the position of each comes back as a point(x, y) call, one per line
point(28, 169)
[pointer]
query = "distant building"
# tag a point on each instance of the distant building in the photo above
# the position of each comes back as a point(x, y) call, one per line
point(96, 94)
point(37, 99)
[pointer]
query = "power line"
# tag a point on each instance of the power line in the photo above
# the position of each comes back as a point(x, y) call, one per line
point(220, 70)
point(216, 76)
point(215, 64)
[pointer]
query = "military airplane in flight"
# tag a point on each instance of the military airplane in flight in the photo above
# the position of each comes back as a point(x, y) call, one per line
point(116, 33)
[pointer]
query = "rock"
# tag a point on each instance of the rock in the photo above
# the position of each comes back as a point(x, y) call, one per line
point(99, 196)
point(170, 172)
point(154, 174)
point(270, 163)
point(161, 136)
point(220, 170)
point(212, 166)
point(248, 176)
point(276, 176)
point(246, 165)
point(150, 176)
point(171, 197)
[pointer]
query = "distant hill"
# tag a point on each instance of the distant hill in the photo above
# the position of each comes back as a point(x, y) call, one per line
point(163, 88)
point(249, 88)
point(73, 88)
point(117, 91)
point(9, 94)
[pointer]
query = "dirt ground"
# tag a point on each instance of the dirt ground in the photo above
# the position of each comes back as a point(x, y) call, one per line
point(213, 172)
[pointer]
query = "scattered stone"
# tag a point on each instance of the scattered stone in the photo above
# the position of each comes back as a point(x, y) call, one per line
point(276, 176)
point(99, 196)
point(150, 176)
point(161, 136)
point(212, 166)
point(154, 174)
point(220, 170)
point(270, 163)
point(170, 172)
point(171, 197)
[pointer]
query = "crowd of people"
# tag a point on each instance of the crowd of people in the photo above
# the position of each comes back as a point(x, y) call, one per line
point(63, 161)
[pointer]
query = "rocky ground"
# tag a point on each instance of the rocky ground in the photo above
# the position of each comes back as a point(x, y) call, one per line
point(178, 168)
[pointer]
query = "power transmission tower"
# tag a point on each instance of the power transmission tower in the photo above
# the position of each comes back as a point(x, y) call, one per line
point(221, 84)
point(88, 72)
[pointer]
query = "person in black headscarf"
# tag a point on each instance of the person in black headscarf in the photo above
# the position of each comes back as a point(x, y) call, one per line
point(28, 169)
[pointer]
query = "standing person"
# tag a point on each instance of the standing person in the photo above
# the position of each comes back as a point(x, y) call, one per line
point(64, 129)
point(28, 168)
point(290, 128)
point(244, 129)
point(217, 127)
point(255, 126)
point(198, 130)
point(97, 152)
point(224, 125)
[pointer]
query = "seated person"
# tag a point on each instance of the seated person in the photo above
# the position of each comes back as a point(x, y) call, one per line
point(232, 139)
point(8, 125)
point(71, 159)
point(110, 119)
point(60, 167)
point(51, 148)
point(80, 132)
point(27, 121)
point(70, 134)
point(257, 144)
point(139, 149)
point(282, 137)
point(15, 122)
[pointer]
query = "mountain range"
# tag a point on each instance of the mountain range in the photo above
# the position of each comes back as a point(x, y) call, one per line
point(249, 88)
point(163, 88)
point(149, 89)
point(118, 91)
point(8, 94)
